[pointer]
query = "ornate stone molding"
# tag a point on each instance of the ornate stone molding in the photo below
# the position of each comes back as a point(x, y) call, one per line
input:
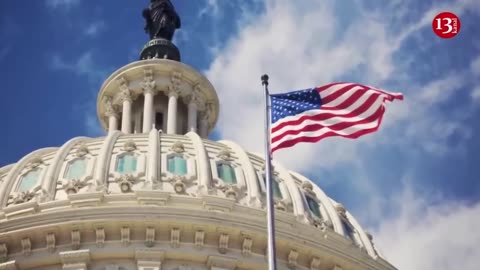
point(51, 241)
point(247, 246)
point(100, 237)
point(175, 237)
point(75, 257)
point(199, 238)
point(315, 263)
point(26, 246)
point(148, 83)
point(292, 259)
point(149, 237)
point(125, 236)
point(12, 265)
point(3, 252)
point(223, 243)
point(110, 108)
point(124, 94)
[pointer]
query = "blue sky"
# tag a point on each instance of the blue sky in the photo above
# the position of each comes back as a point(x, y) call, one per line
point(406, 183)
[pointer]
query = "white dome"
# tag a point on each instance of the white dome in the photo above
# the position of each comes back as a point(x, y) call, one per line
point(171, 193)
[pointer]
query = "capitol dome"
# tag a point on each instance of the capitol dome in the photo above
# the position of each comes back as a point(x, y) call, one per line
point(155, 193)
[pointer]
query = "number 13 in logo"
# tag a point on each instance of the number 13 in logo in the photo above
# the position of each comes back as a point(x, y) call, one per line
point(446, 25)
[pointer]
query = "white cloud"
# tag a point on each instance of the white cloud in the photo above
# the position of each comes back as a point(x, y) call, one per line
point(299, 45)
point(85, 66)
point(66, 4)
point(429, 236)
point(95, 28)
point(211, 8)
point(476, 94)
point(475, 66)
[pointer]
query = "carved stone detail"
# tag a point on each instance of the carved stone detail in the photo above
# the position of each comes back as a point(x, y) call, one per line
point(341, 210)
point(75, 239)
point(125, 236)
point(247, 246)
point(110, 108)
point(199, 239)
point(73, 186)
point(125, 94)
point(223, 243)
point(308, 188)
point(51, 242)
point(35, 162)
point(3, 252)
point(175, 237)
point(130, 146)
point(174, 87)
point(75, 257)
point(100, 235)
point(178, 148)
point(82, 150)
point(150, 237)
point(225, 155)
point(11, 265)
point(126, 182)
point(26, 246)
point(22, 197)
point(292, 259)
point(315, 264)
point(148, 83)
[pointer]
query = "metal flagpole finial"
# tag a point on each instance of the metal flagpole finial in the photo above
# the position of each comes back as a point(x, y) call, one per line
point(265, 79)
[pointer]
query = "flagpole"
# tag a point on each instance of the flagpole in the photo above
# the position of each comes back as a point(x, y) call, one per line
point(272, 263)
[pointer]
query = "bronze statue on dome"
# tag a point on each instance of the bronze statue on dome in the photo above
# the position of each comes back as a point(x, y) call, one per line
point(161, 19)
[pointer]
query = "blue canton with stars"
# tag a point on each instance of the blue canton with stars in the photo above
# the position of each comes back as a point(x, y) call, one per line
point(293, 103)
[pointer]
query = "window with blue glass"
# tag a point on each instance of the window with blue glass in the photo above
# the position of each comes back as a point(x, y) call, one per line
point(29, 181)
point(277, 193)
point(127, 164)
point(313, 206)
point(348, 229)
point(227, 173)
point(76, 169)
point(177, 165)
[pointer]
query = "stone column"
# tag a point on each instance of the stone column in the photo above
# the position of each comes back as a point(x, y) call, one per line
point(149, 93)
point(112, 116)
point(172, 111)
point(203, 129)
point(192, 115)
point(127, 112)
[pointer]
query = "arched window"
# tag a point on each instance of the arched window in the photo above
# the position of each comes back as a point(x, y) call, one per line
point(28, 181)
point(227, 173)
point(277, 193)
point(177, 165)
point(76, 169)
point(313, 206)
point(348, 229)
point(127, 164)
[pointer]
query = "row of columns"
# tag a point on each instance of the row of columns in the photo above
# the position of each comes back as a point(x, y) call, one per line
point(148, 110)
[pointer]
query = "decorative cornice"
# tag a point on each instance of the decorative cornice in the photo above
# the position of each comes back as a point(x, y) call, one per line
point(74, 257)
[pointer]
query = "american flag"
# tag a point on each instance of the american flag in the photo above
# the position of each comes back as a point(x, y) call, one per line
point(343, 109)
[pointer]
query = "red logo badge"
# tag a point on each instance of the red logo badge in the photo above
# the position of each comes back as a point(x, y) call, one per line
point(446, 25)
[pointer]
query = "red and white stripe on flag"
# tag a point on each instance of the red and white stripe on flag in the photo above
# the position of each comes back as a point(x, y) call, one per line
point(348, 110)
